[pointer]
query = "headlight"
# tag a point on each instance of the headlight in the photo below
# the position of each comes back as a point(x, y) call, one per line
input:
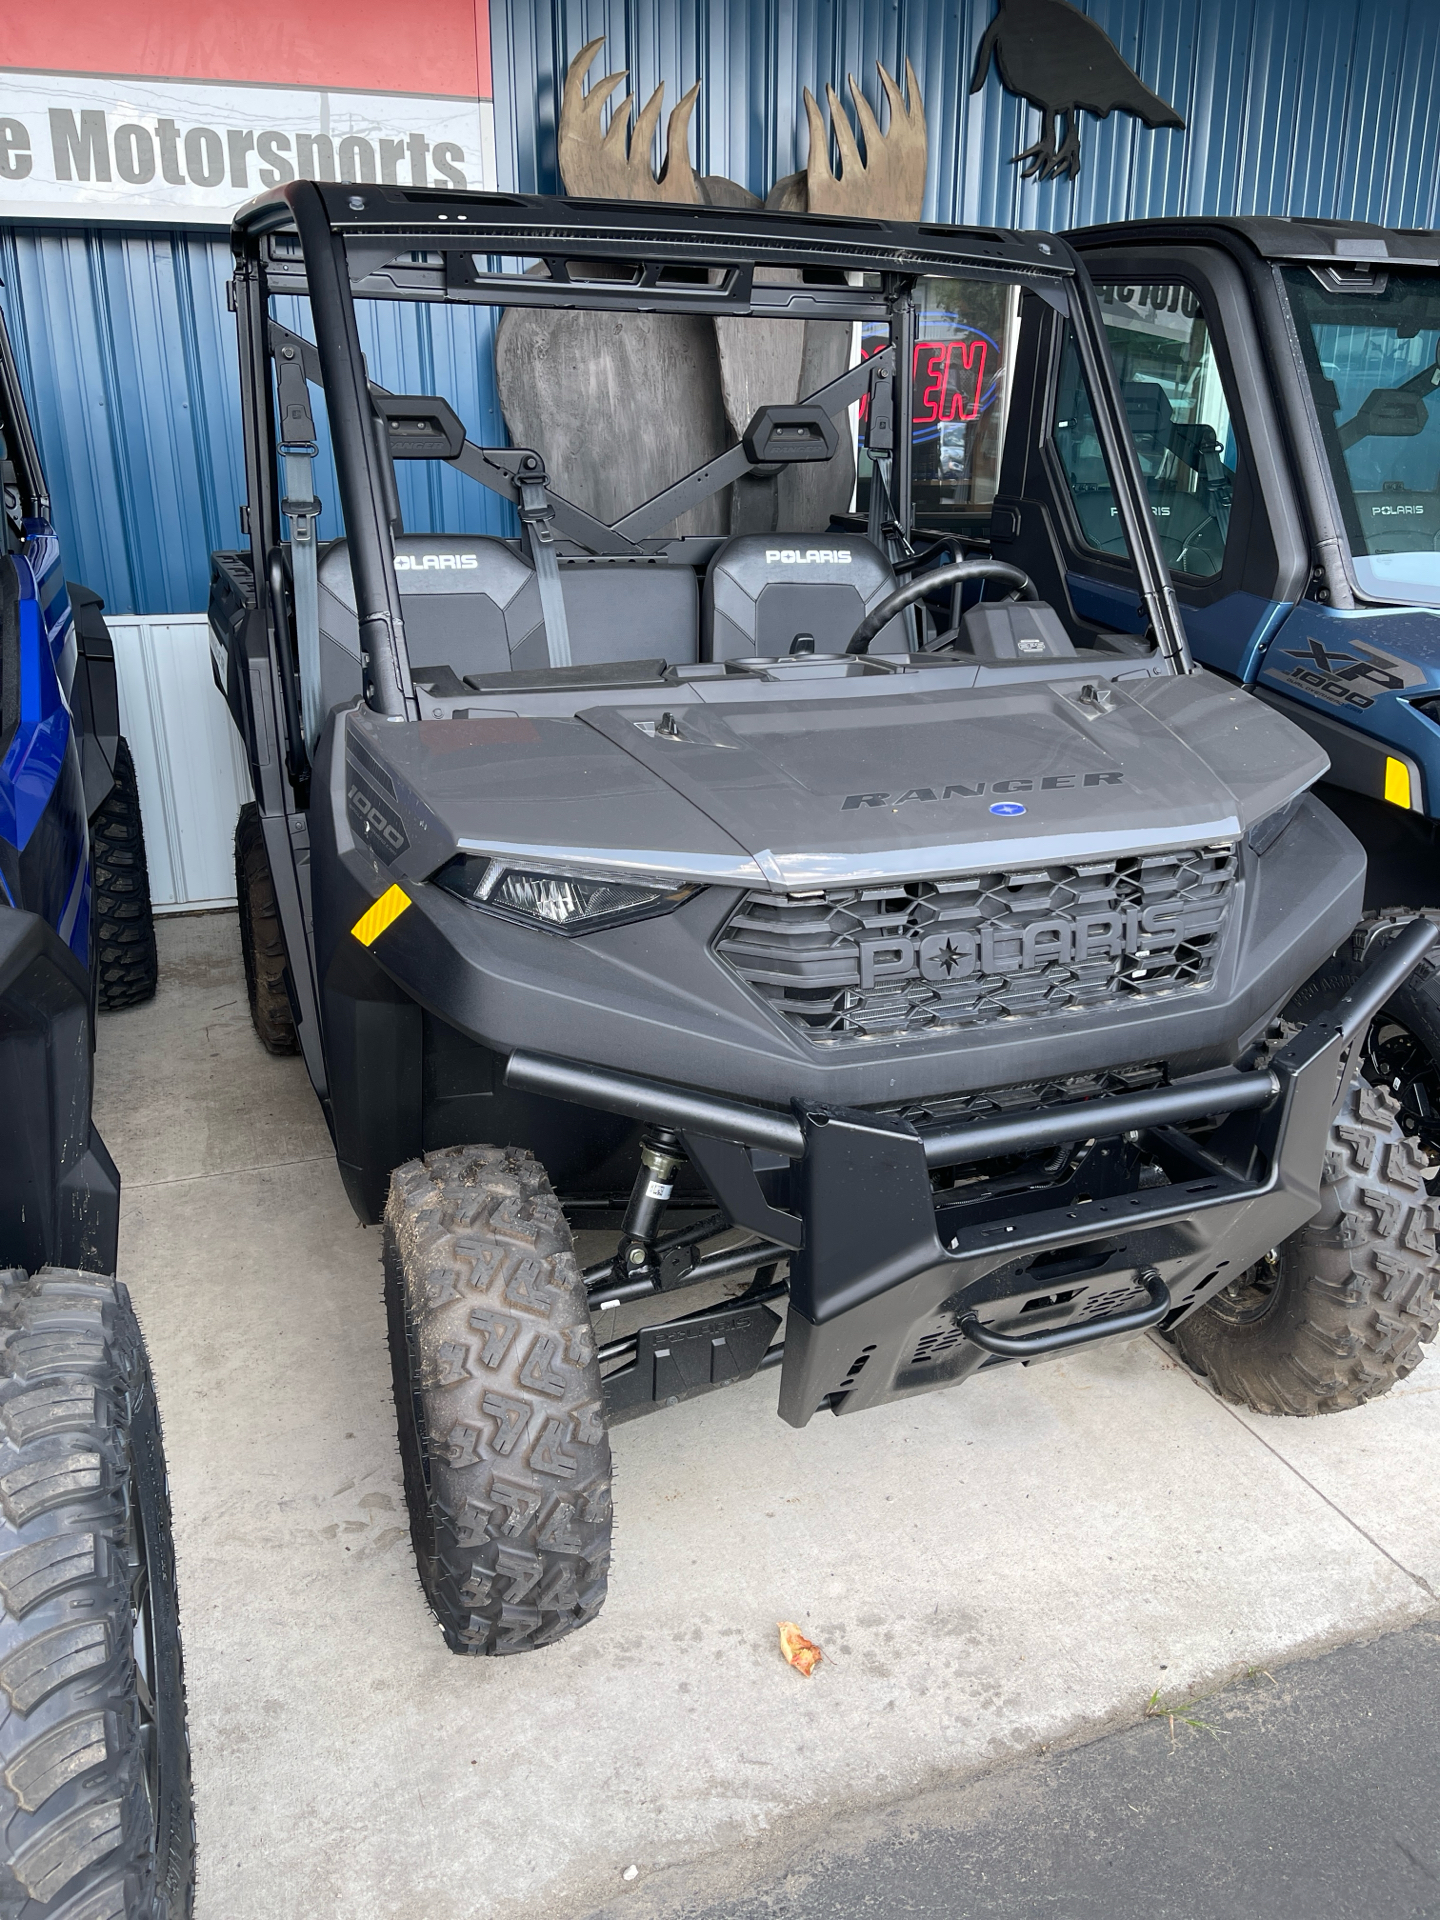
point(557, 898)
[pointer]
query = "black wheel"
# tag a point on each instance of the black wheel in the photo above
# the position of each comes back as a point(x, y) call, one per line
point(124, 928)
point(497, 1392)
point(262, 944)
point(1340, 1311)
point(95, 1805)
point(1402, 1049)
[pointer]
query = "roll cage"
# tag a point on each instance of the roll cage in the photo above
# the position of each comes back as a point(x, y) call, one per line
point(339, 243)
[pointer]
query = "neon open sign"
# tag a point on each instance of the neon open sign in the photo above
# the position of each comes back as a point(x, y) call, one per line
point(949, 379)
point(953, 378)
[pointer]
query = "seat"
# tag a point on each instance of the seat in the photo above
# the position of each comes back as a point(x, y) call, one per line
point(472, 605)
point(763, 591)
point(627, 609)
point(468, 604)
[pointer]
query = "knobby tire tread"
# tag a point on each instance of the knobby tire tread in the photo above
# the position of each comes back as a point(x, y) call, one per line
point(123, 923)
point(1358, 1293)
point(497, 1390)
point(262, 940)
point(79, 1438)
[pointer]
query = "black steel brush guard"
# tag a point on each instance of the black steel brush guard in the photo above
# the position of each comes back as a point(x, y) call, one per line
point(896, 1288)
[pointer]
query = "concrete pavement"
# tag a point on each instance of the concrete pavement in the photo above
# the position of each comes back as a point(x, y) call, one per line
point(991, 1571)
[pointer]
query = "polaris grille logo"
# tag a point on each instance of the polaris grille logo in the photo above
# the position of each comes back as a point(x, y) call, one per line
point(436, 562)
point(806, 556)
point(1006, 950)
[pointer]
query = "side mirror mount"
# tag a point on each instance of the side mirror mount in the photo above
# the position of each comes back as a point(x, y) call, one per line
point(780, 436)
point(420, 426)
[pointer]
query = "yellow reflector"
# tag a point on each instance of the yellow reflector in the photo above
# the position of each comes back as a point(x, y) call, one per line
point(1397, 782)
point(385, 912)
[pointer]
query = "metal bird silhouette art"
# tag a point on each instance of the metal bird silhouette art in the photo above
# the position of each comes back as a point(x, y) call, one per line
point(1059, 60)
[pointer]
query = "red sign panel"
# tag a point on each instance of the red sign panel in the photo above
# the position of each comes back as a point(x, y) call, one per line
point(444, 50)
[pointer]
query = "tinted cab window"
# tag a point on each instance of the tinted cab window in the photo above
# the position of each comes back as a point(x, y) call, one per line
point(1179, 419)
point(1373, 358)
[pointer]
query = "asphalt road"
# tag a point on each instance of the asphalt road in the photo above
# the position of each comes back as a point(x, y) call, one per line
point(1310, 1794)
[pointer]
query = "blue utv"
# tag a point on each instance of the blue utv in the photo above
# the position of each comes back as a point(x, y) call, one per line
point(1282, 383)
point(95, 1805)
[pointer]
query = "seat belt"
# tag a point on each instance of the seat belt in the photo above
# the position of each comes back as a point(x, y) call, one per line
point(880, 513)
point(298, 449)
point(880, 445)
point(536, 516)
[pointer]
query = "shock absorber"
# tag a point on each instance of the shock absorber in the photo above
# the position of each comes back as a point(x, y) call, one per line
point(660, 1159)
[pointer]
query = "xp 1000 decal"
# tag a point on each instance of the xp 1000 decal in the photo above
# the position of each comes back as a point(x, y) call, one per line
point(1352, 675)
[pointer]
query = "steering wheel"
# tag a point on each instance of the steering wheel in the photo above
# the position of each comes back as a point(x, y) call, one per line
point(906, 596)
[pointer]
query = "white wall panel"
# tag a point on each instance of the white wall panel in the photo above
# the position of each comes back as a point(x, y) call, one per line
point(188, 759)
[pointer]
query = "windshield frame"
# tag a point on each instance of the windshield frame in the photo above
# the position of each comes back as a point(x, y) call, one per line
point(1355, 290)
point(335, 244)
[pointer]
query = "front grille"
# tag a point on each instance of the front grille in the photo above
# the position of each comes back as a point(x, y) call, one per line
point(992, 1103)
point(892, 961)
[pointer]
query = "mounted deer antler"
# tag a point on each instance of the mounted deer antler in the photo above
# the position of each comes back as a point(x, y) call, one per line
point(604, 166)
point(889, 183)
point(694, 380)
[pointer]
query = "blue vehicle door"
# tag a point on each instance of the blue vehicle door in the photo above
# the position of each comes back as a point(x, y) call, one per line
point(1366, 662)
point(1326, 595)
point(44, 835)
point(1183, 339)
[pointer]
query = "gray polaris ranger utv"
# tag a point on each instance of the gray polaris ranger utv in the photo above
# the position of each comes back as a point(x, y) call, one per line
point(895, 960)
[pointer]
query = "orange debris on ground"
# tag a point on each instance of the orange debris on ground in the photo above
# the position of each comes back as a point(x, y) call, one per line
point(802, 1654)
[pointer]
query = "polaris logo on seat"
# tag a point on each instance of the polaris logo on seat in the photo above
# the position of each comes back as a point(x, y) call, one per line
point(806, 556)
point(436, 562)
point(1390, 511)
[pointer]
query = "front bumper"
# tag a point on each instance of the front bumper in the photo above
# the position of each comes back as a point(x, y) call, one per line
point(897, 1288)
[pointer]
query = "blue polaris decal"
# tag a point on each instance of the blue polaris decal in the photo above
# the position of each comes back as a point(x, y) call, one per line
point(1007, 807)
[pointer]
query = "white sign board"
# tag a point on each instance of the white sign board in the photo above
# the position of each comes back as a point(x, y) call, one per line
point(177, 152)
point(1165, 309)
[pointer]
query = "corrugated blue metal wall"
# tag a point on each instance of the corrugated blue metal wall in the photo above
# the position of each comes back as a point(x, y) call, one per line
point(1327, 107)
point(127, 353)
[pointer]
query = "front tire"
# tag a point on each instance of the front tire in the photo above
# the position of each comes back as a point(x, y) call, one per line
point(1401, 1052)
point(96, 1815)
point(1341, 1310)
point(498, 1397)
point(124, 924)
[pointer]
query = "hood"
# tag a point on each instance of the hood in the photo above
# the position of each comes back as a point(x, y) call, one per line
point(796, 792)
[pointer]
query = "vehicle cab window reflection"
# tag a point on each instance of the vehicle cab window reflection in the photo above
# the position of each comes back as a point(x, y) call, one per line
point(1082, 459)
point(1371, 347)
point(1179, 420)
